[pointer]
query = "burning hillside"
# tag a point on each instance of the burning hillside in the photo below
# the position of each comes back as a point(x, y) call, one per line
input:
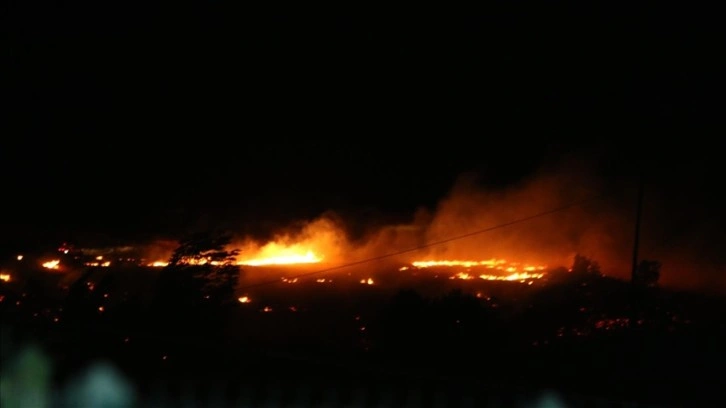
point(473, 233)
point(324, 242)
point(490, 269)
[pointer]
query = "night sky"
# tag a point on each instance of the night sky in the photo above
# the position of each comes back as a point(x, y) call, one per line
point(147, 118)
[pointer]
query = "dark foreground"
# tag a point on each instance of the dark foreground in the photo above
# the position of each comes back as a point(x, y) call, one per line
point(572, 342)
point(212, 376)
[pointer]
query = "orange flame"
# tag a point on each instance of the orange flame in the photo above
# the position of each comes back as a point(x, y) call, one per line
point(277, 254)
point(54, 264)
point(102, 264)
point(515, 272)
point(318, 241)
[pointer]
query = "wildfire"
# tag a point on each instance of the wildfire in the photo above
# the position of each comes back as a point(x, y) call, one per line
point(321, 240)
point(521, 277)
point(161, 264)
point(494, 263)
point(54, 264)
point(507, 271)
point(285, 256)
point(318, 241)
point(5, 277)
point(276, 254)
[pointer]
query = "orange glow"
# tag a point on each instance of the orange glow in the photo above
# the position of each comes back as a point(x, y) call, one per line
point(277, 254)
point(5, 277)
point(54, 264)
point(244, 299)
point(321, 240)
point(270, 254)
point(368, 281)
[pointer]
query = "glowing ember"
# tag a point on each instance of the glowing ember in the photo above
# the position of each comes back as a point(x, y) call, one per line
point(462, 275)
point(368, 281)
point(5, 277)
point(273, 254)
point(101, 264)
point(20, 257)
point(158, 264)
point(54, 264)
point(244, 299)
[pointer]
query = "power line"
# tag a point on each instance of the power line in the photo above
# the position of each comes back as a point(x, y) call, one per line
point(431, 244)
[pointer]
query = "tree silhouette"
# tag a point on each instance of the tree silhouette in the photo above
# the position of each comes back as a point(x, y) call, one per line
point(201, 272)
point(204, 248)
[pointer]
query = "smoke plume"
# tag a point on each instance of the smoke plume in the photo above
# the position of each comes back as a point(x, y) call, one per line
point(575, 205)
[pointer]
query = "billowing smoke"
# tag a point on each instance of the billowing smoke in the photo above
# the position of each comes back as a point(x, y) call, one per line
point(545, 219)
point(159, 250)
point(324, 236)
point(567, 208)
point(594, 229)
point(681, 227)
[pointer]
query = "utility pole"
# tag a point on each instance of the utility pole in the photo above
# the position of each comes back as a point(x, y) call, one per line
point(638, 216)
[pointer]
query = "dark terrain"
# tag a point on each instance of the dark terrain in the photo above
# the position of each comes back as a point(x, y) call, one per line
point(588, 338)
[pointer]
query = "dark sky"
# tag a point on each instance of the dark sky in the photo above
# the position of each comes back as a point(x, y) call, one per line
point(138, 117)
